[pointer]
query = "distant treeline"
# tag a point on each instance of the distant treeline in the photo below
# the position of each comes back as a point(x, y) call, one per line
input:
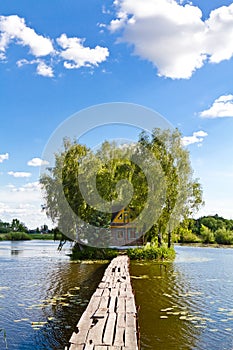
point(206, 229)
point(17, 226)
point(17, 231)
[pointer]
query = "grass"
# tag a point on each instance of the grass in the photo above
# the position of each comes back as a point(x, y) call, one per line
point(15, 236)
point(44, 236)
point(148, 252)
point(91, 253)
point(22, 236)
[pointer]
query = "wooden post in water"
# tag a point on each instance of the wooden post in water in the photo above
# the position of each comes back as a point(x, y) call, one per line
point(109, 321)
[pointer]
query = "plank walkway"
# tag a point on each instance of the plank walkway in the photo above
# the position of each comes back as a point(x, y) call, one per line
point(109, 321)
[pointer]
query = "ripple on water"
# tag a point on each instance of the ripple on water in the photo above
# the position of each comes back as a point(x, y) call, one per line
point(186, 304)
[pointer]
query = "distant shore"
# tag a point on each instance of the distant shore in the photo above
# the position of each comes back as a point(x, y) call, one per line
point(23, 236)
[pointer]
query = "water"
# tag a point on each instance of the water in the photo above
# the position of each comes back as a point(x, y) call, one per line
point(42, 294)
point(183, 305)
point(187, 304)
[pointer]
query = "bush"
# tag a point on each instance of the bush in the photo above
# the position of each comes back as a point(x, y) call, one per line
point(17, 236)
point(207, 235)
point(91, 253)
point(223, 236)
point(187, 236)
point(151, 252)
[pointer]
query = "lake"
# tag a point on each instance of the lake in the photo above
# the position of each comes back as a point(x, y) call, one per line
point(186, 304)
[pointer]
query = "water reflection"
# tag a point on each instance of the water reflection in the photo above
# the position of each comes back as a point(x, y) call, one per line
point(66, 298)
point(183, 305)
point(42, 294)
point(163, 301)
point(186, 304)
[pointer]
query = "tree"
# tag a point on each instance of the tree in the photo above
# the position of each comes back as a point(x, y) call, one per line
point(152, 176)
point(183, 193)
point(18, 226)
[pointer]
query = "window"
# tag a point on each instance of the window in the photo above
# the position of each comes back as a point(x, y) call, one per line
point(120, 235)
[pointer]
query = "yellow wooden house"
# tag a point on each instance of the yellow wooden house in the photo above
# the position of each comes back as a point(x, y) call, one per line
point(123, 231)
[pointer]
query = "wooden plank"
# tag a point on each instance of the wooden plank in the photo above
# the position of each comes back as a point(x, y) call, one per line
point(109, 329)
point(109, 321)
point(93, 304)
point(89, 347)
point(130, 305)
point(119, 337)
point(100, 313)
point(120, 307)
point(98, 292)
point(80, 336)
point(76, 347)
point(104, 301)
point(112, 303)
point(131, 339)
point(121, 320)
point(131, 321)
point(95, 334)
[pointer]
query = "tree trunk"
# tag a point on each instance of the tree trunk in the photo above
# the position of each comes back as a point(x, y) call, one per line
point(169, 241)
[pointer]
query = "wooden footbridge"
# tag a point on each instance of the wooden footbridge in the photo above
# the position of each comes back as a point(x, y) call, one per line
point(109, 321)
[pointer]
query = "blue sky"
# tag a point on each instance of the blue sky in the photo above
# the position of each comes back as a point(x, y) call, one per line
point(59, 57)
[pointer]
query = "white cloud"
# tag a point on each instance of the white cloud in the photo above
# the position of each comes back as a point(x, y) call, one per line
point(42, 68)
point(197, 137)
point(222, 107)
point(76, 55)
point(37, 162)
point(19, 174)
point(173, 36)
point(3, 157)
point(14, 28)
point(23, 204)
point(29, 187)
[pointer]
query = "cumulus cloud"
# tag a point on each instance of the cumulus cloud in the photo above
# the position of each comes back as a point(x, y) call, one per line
point(42, 68)
point(76, 55)
point(19, 174)
point(197, 137)
point(37, 162)
point(222, 107)
point(23, 203)
point(3, 157)
point(29, 187)
point(14, 28)
point(173, 36)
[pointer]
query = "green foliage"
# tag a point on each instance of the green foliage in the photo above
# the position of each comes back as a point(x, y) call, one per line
point(176, 194)
point(207, 229)
point(4, 227)
point(45, 236)
point(151, 252)
point(224, 236)
point(207, 235)
point(183, 193)
point(187, 236)
point(15, 226)
point(16, 236)
point(18, 226)
point(91, 253)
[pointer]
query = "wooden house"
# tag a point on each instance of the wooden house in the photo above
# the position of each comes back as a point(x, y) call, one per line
point(123, 230)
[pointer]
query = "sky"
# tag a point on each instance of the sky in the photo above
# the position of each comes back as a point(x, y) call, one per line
point(59, 57)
